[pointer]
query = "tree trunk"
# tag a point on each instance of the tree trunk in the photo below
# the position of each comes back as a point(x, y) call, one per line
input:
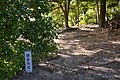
point(78, 11)
point(97, 12)
point(102, 13)
point(66, 20)
point(66, 12)
point(65, 9)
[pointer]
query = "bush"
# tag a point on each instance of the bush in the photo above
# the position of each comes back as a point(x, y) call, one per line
point(90, 16)
point(24, 25)
point(82, 22)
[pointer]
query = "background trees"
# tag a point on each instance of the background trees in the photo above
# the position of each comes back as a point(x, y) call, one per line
point(65, 7)
point(87, 11)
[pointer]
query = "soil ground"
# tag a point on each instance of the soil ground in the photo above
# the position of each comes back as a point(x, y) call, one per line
point(87, 53)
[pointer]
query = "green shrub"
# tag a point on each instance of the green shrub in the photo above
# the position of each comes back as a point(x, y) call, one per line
point(82, 22)
point(90, 16)
point(24, 25)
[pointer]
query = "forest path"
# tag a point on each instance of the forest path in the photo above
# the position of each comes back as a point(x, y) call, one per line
point(86, 54)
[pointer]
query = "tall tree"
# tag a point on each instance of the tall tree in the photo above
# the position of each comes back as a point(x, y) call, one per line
point(97, 11)
point(78, 10)
point(65, 6)
point(102, 13)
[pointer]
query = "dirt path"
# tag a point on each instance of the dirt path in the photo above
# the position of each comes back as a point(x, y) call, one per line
point(85, 55)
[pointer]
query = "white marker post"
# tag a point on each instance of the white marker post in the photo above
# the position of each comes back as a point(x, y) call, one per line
point(28, 61)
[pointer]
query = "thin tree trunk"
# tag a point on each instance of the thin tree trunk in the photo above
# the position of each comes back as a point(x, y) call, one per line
point(66, 20)
point(66, 12)
point(65, 8)
point(97, 12)
point(78, 11)
point(102, 13)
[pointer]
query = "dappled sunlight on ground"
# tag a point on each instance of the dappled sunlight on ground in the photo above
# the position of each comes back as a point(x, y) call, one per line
point(115, 42)
point(92, 54)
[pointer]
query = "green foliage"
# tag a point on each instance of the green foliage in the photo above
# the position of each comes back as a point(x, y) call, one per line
point(57, 15)
point(113, 7)
point(24, 25)
point(82, 22)
point(85, 15)
point(90, 16)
